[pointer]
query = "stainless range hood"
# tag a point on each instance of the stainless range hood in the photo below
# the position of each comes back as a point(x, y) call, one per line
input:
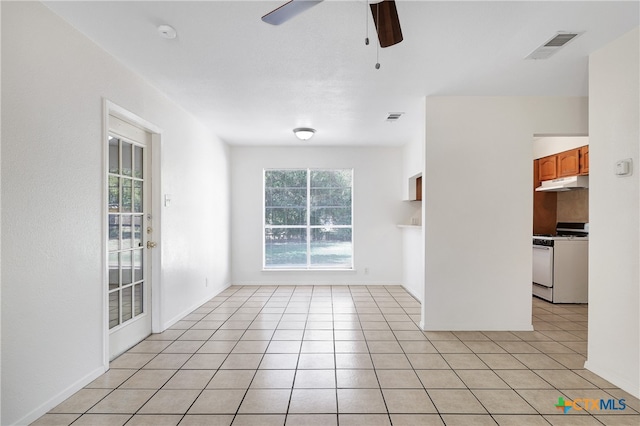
point(564, 184)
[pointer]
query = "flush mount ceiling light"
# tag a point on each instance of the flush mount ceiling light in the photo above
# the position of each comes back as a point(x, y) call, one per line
point(304, 133)
point(167, 31)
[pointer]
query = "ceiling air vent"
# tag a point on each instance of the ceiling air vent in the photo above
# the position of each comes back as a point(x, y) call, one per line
point(552, 45)
point(394, 116)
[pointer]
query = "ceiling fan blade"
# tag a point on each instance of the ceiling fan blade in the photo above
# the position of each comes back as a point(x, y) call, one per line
point(385, 16)
point(288, 10)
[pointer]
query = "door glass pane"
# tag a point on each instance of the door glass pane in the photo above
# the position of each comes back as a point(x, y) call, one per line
point(126, 232)
point(137, 231)
point(114, 157)
point(125, 265)
point(114, 271)
point(126, 195)
point(114, 232)
point(285, 247)
point(137, 166)
point(137, 196)
point(127, 160)
point(126, 228)
point(137, 265)
point(137, 299)
point(114, 194)
point(114, 309)
point(126, 304)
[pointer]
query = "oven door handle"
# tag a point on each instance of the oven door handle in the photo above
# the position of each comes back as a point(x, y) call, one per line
point(541, 248)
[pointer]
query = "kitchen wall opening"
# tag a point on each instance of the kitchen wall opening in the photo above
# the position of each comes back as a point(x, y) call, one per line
point(560, 218)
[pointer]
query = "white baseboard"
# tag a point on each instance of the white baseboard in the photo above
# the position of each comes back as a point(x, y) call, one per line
point(623, 382)
point(165, 325)
point(301, 283)
point(60, 397)
point(43, 408)
point(475, 327)
point(418, 297)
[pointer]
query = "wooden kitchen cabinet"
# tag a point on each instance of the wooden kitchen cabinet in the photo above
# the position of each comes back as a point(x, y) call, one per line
point(545, 205)
point(584, 160)
point(547, 168)
point(568, 163)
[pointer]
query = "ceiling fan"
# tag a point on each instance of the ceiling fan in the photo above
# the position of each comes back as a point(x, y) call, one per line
point(385, 16)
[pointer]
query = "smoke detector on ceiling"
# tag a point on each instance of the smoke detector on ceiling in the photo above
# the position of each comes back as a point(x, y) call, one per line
point(167, 31)
point(555, 43)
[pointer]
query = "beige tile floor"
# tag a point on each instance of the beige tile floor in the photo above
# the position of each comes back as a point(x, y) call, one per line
point(339, 355)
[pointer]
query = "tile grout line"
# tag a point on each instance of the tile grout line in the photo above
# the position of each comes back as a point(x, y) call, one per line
point(554, 336)
point(218, 369)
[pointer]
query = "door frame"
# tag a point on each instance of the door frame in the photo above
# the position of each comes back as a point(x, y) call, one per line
point(155, 256)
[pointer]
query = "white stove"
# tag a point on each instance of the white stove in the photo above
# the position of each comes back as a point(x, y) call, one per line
point(560, 238)
point(560, 264)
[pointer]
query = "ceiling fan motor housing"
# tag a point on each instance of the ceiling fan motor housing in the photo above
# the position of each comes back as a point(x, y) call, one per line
point(385, 16)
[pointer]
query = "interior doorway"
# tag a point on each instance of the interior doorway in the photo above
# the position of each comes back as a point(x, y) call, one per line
point(560, 250)
point(558, 157)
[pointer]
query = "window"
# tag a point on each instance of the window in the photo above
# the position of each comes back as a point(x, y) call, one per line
point(307, 219)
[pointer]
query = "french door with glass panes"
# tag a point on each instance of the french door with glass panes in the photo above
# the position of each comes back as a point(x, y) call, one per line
point(129, 228)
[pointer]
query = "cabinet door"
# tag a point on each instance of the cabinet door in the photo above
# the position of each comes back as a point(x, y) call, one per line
point(544, 206)
point(569, 163)
point(547, 168)
point(584, 160)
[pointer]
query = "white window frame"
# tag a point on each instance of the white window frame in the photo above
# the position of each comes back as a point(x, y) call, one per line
point(308, 226)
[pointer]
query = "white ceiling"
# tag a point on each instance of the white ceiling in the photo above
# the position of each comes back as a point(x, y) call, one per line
point(252, 83)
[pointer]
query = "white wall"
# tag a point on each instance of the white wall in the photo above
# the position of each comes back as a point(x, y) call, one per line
point(549, 145)
point(0, 227)
point(413, 164)
point(614, 214)
point(53, 84)
point(413, 261)
point(479, 209)
point(376, 212)
point(412, 238)
point(412, 160)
